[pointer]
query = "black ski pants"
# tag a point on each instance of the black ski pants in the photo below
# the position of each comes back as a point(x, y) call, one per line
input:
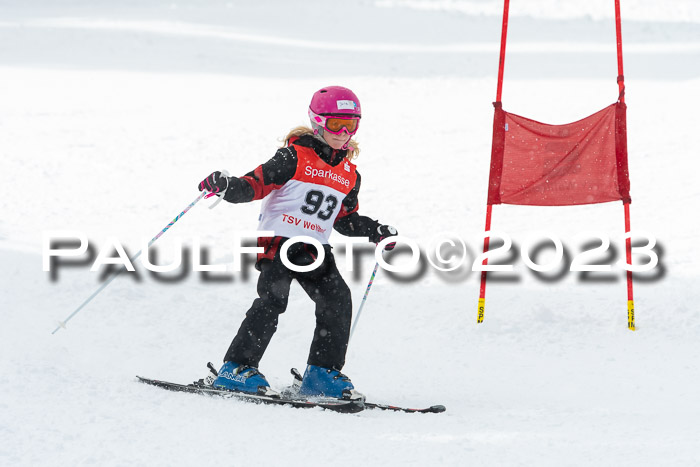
point(324, 285)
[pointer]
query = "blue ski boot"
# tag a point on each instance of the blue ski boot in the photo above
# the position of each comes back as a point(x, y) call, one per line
point(242, 378)
point(319, 381)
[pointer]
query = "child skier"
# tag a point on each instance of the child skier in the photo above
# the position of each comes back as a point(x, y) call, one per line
point(309, 186)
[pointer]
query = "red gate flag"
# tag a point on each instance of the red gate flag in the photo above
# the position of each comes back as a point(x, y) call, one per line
point(583, 162)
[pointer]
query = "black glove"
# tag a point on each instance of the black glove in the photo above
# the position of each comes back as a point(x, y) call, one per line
point(384, 231)
point(214, 183)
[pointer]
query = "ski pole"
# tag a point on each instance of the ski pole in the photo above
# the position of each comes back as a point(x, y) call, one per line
point(364, 299)
point(62, 324)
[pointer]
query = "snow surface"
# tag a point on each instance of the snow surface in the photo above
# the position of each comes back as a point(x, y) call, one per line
point(110, 114)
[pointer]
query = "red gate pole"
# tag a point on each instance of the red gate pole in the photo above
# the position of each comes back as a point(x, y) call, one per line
point(482, 291)
point(628, 241)
point(628, 254)
point(502, 59)
point(489, 207)
point(618, 34)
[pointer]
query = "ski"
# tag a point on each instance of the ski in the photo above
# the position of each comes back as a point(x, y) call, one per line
point(298, 379)
point(199, 387)
point(394, 408)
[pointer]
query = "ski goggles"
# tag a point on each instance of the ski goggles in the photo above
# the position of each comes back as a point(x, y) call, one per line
point(336, 124)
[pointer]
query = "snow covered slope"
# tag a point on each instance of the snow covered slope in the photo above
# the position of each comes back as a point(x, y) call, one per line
point(111, 115)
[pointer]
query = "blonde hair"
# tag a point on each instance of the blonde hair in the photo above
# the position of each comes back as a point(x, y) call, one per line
point(353, 148)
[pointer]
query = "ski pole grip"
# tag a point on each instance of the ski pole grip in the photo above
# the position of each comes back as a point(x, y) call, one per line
point(219, 198)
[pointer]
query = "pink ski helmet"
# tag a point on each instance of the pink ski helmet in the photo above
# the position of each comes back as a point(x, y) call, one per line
point(335, 109)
